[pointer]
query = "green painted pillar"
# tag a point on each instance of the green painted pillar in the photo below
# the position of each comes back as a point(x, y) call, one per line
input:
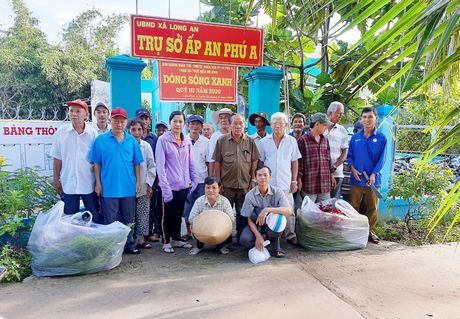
point(125, 82)
point(264, 91)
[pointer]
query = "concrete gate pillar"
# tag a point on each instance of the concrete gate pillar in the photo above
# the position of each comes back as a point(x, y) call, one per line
point(264, 92)
point(125, 82)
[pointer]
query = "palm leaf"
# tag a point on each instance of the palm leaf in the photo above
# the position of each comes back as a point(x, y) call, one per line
point(444, 207)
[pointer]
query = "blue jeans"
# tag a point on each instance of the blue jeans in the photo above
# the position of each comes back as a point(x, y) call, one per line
point(123, 210)
point(248, 239)
point(191, 198)
point(91, 202)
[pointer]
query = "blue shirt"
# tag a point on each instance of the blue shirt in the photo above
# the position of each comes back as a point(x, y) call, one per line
point(152, 140)
point(117, 162)
point(367, 154)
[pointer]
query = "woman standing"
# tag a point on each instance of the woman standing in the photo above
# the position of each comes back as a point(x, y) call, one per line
point(147, 177)
point(177, 177)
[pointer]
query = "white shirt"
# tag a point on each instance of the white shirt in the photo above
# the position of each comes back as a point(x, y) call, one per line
point(200, 152)
point(212, 144)
point(147, 168)
point(257, 138)
point(77, 175)
point(99, 131)
point(279, 159)
point(338, 140)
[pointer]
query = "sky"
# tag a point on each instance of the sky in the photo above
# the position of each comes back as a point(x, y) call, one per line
point(54, 14)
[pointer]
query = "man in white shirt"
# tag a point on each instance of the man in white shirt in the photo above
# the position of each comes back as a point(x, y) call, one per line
point(280, 153)
point(260, 121)
point(102, 114)
point(73, 175)
point(200, 153)
point(222, 119)
point(338, 143)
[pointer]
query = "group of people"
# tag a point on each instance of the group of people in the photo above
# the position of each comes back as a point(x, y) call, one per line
point(122, 171)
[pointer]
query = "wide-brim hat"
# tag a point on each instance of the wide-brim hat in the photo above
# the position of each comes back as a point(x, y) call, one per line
point(212, 227)
point(262, 115)
point(215, 115)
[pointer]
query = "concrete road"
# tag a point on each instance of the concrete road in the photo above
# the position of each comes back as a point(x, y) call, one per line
point(384, 281)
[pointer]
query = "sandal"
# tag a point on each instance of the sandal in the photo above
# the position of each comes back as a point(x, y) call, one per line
point(224, 250)
point(145, 245)
point(168, 249)
point(181, 244)
point(279, 254)
point(195, 251)
point(154, 238)
point(186, 237)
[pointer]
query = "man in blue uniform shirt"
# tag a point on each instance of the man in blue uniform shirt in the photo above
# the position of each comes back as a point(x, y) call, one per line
point(366, 153)
point(117, 157)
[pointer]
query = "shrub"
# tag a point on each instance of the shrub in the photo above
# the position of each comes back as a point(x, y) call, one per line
point(23, 193)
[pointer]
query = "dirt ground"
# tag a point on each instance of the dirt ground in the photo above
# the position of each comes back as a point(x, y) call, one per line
point(382, 281)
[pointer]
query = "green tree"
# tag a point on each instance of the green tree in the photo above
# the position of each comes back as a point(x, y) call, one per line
point(35, 76)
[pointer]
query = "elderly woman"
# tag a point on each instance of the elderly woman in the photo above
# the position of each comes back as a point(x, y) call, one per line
point(147, 176)
point(177, 177)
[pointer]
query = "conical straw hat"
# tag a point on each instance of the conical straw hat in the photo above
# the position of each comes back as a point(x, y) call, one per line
point(212, 227)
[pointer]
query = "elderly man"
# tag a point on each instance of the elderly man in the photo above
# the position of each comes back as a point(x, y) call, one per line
point(260, 121)
point(337, 136)
point(298, 125)
point(200, 150)
point(211, 200)
point(208, 130)
point(366, 156)
point(315, 167)
point(73, 176)
point(102, 114)
point(280, 153)
point(259, 202)
point(117, 157)
point(222, 120)
point(236, 157)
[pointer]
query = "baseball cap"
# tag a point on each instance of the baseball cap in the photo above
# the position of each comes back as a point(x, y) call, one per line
point(194, 117)
point(142, 112)
point(320, 118)
point(101, 104)
point(118, 111)
point(161, 124)
point(262, 115)
point(79, 103)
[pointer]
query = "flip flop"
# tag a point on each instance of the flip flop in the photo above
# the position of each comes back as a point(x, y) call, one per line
point(145, 245)
point(181, 244)
point(168, 249)
point(224, 250)
point(152, 239)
